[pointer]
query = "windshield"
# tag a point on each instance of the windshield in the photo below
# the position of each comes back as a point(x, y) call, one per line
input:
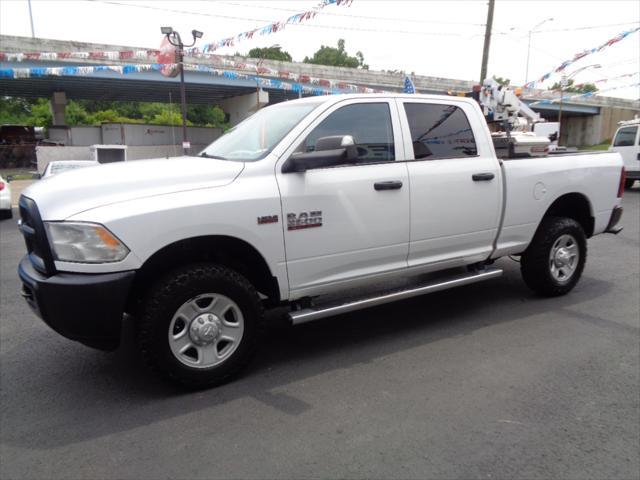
point(256, 136)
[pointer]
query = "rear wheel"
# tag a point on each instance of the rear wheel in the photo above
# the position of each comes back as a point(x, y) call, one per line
point(628, 183)
point(554, 261)
point(6, 213)
point(200, 325)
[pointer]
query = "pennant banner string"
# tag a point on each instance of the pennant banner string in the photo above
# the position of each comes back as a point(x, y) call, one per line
point(271, 27)
point(301, 83)
point(581, 95)
point(581, 55)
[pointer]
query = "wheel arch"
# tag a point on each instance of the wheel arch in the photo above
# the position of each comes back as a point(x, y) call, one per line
point(228, 251)
point(576, 206)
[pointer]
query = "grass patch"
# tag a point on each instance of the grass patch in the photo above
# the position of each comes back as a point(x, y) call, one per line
point(596, 148)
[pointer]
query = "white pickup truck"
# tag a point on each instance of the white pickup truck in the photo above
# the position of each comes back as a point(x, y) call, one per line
point(303, 201)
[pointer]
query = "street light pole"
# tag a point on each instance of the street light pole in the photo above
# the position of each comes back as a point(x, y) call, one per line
point(174, 39)
point(526, 74)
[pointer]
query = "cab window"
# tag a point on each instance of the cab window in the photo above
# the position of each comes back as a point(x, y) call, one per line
point(625, 137)
point(368, 123)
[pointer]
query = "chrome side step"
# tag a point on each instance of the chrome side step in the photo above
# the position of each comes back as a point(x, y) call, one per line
point(309, 314)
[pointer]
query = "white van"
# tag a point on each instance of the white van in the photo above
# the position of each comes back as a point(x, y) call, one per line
point(627, 143)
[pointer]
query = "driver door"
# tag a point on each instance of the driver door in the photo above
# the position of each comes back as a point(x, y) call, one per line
point(349, 222)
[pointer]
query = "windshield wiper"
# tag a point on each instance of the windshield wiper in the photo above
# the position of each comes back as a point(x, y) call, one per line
point(206, 155)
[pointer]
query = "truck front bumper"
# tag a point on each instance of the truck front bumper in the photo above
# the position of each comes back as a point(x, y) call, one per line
point(87, 308)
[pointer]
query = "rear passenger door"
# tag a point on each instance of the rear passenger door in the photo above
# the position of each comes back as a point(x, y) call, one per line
point(455, 183)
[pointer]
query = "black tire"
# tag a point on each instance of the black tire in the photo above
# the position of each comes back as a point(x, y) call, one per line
point(4, 214)
point(628, 183)
point(166, 296)
point(535, 264)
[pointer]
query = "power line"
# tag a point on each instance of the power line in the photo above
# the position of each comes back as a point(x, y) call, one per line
point(346, 15)
point(621, 62)
point(377, 30)
point(330, 27)
point(186, 12)
point(588, 27)
point(335, 27)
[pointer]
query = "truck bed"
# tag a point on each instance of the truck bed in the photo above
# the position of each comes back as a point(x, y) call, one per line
point(531, 185)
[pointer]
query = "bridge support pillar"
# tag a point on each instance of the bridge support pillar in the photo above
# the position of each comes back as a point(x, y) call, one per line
point(58, 104)
point(242, 106)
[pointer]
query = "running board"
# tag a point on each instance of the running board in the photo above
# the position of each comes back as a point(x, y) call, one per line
point(315, 313)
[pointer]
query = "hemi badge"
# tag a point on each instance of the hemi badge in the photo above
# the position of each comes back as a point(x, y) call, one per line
point(267, 219)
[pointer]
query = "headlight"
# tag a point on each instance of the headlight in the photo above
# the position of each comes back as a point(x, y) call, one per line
point(84, 243)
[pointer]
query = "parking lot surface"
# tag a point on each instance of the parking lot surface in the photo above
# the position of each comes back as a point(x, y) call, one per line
point(484, 381)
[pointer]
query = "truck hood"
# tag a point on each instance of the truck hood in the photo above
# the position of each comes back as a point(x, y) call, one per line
point(61, 196)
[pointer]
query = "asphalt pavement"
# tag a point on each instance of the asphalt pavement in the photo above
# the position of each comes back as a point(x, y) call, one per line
point(485, 381)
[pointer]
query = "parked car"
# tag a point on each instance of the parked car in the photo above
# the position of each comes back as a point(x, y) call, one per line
point(296, 207)
point(5, 199)
point(627, 143)
point(59, 166)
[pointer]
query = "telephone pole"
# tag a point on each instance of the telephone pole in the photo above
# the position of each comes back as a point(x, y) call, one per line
point(33, 35)
point(487, 41)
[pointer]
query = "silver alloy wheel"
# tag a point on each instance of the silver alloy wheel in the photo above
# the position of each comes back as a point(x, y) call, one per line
point(206, 330)
point(564, 258)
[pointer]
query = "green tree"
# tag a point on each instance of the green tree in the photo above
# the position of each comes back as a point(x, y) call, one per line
point(270, 53)
point(502, 81)
point(337, 57)
point(206, 115)
point(167, 117)
point(41, 115)
point(25, 111)
point(572, 88)
point(76, 114)
point(148, 110)
point(37, 112)
point(14, 110)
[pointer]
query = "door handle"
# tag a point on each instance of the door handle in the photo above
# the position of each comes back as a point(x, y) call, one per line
point(392, 185)
point(482, 177)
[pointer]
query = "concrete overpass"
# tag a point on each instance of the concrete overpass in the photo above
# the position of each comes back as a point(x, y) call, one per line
point(585, 121)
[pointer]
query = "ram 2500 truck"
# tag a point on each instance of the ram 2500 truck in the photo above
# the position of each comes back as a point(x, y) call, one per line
point(302, 202)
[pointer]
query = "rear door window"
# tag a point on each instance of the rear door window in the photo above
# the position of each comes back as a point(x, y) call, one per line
point(439, 131)
point(625, 137)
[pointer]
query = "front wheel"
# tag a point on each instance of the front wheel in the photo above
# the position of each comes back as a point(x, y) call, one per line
point(200, 325)
point(554, 261)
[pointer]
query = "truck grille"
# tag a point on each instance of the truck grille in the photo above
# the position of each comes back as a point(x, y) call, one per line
point(35, 237)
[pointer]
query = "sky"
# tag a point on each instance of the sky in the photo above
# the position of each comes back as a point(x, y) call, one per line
point(434, 38)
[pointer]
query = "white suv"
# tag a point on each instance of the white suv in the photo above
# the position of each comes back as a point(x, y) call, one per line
point(627, 143)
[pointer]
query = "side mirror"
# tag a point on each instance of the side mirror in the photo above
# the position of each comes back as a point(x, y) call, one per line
point(329, 152)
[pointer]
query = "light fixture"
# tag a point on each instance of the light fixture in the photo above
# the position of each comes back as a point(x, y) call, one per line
point(166, 30)
point(196, 34)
